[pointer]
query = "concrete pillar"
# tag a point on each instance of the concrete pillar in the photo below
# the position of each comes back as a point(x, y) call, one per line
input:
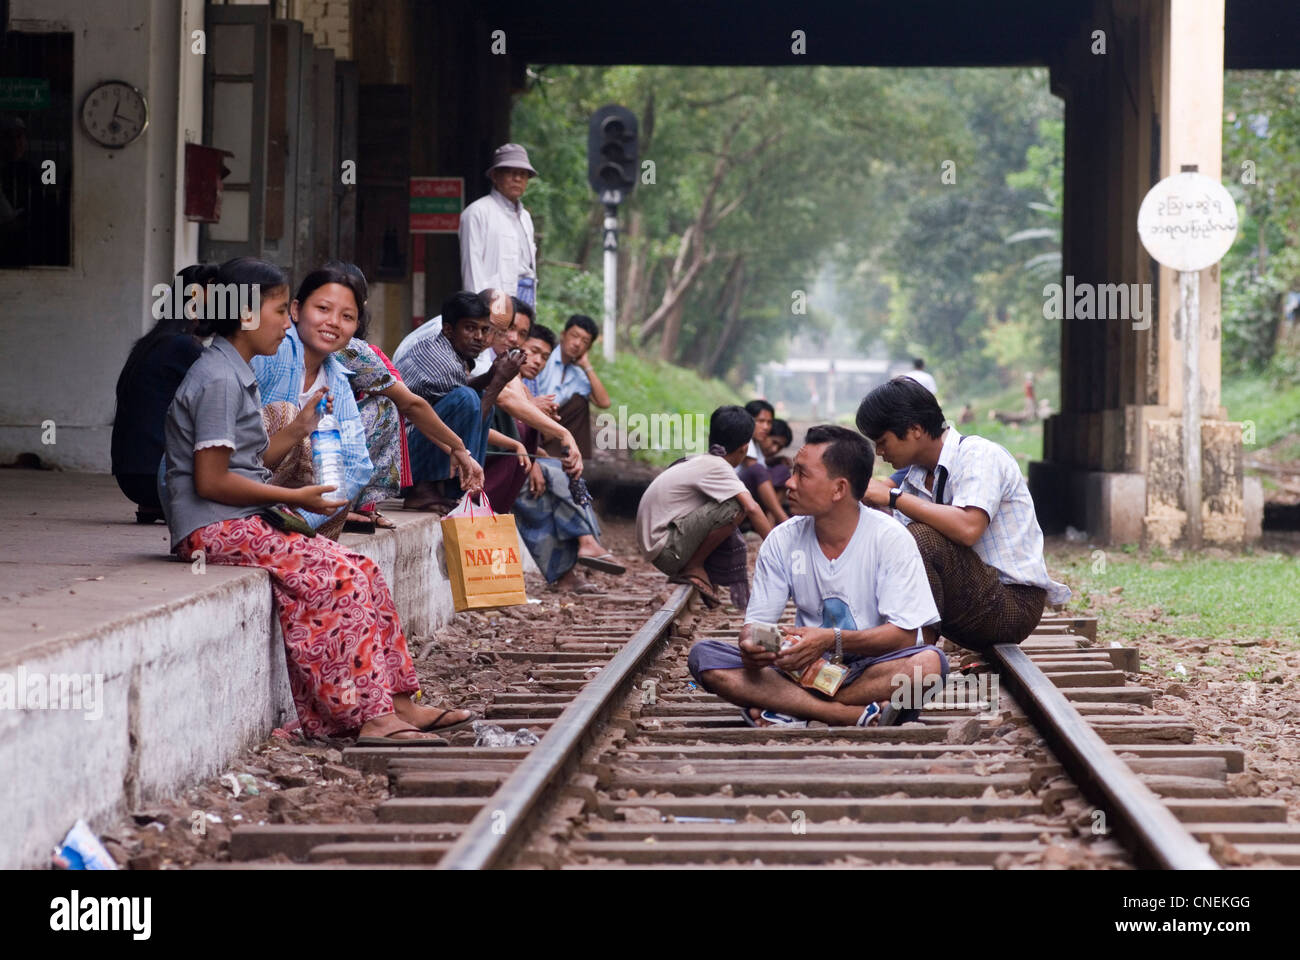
point(1135, 114)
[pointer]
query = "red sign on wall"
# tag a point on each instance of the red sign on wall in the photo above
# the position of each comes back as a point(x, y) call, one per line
point(436, 203)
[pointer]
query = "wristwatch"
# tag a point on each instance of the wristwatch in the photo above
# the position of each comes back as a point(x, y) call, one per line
point(893, 497)
point(839, 645)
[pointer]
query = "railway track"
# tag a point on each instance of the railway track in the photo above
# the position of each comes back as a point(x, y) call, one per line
point(1041, 757)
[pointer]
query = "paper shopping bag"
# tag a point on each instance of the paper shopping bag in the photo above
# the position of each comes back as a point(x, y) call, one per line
point(484, 562)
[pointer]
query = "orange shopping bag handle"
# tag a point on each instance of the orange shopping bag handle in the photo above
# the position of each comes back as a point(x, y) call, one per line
point(466, 506)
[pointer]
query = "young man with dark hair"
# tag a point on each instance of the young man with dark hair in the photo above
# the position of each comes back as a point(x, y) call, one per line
point(778, 438)
point(437, 368)
point(968, 508)
point(753, 470)
point(860, 592)
point(692, 509)
point(557, 531)
point(571, 382)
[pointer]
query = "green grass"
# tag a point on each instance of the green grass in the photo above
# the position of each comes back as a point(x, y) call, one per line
point(1228, 598)
point(646, 387)
point(1273, 409)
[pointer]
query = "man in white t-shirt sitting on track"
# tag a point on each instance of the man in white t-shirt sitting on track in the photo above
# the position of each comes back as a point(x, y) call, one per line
point(859, 586)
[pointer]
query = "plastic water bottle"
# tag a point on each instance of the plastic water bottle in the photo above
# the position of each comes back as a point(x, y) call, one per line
point(327, 452)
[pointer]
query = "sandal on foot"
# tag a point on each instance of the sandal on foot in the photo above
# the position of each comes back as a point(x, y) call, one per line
point(358, 526)
point(434, 727)
point(711, 600)
point(383, 523)
point(872, 716)
point(605, 563)
point(773, 719)
point(390, 741)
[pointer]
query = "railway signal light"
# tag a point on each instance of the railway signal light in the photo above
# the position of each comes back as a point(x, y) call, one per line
point(612, 153)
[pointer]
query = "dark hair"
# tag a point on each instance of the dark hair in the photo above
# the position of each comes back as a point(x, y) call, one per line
point(353, 271)
point(730, 427)
point(918, 364)
point(525, 308)
point(545, 334)
point(755, 407)
point(166, 327)
point(337, 272)
point(897, 406)
point(236, 276)
point(462, 304)
point(781, 429)
point(847, 454)
point(583, 322)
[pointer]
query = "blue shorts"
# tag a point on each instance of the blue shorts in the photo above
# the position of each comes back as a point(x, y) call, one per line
point(721, 655)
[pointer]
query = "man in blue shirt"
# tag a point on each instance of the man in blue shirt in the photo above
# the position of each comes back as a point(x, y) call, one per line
point(571, 382)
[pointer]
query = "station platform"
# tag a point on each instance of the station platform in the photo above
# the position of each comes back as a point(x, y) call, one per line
point(171, 669)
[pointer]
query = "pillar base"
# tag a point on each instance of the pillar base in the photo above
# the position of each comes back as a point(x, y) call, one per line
point(1109, 506)
point(1230, 516)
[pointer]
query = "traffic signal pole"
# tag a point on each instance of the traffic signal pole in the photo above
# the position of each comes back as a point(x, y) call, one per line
point(611, 277)
point(611, 171)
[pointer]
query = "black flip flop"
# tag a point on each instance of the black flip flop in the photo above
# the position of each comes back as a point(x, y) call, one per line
point(711, 599)
point(605, 563)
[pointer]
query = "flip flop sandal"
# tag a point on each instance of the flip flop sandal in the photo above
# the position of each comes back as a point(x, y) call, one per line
point(358, 526)
point(390, 741)
point(383, 523)
point(605, 563)
point(434, 728)
point(773, 719)
point(873, 716)
point(711, 599)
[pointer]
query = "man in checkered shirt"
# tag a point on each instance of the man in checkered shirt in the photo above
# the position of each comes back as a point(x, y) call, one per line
point(968, 507)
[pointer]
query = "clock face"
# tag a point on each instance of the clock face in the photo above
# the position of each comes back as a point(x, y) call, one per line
point(115, 114)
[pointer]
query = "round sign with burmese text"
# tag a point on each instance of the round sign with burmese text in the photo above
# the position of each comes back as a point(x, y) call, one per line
point(1187, 222)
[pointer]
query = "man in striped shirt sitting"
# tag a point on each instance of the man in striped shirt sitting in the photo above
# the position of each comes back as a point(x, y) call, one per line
point(968, 507)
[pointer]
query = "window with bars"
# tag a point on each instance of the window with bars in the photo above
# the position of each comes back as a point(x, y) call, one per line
point(36, 113)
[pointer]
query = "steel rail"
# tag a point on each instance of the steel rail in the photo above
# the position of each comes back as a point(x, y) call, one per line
point(1155, 837)
point(503, 821)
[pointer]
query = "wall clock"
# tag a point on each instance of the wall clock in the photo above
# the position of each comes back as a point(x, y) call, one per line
point(115, 114)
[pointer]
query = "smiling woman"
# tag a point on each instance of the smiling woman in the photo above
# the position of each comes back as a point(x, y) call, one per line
point(326, 314)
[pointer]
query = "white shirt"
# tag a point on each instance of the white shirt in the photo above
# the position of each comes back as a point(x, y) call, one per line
point(879, 578)
point(679, 490)
point(983, 474)
point(496, 244)
point(925, 380)
point(754, 452)
point(321, 381)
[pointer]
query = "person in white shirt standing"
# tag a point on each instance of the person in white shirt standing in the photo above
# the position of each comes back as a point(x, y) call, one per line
point(497, 246)
point(920, 376)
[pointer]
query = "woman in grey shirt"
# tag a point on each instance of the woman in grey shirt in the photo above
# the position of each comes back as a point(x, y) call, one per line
point(349, 667)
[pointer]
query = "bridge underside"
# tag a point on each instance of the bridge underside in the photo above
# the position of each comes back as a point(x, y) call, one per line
point(1150, 105)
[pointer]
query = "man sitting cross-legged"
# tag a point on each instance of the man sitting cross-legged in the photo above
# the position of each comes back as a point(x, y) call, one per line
point(968, 508)
point(859, 589)
point(690, 512)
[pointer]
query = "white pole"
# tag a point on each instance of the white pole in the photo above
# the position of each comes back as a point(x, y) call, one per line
point(1189, 283)
point(611, 277)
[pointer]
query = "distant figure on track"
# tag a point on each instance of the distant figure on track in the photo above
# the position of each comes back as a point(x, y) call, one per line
point(857, 582)
point(967, 506)
point(919, 374)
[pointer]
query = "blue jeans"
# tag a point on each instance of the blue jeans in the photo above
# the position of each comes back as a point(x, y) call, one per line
point(461, 410)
